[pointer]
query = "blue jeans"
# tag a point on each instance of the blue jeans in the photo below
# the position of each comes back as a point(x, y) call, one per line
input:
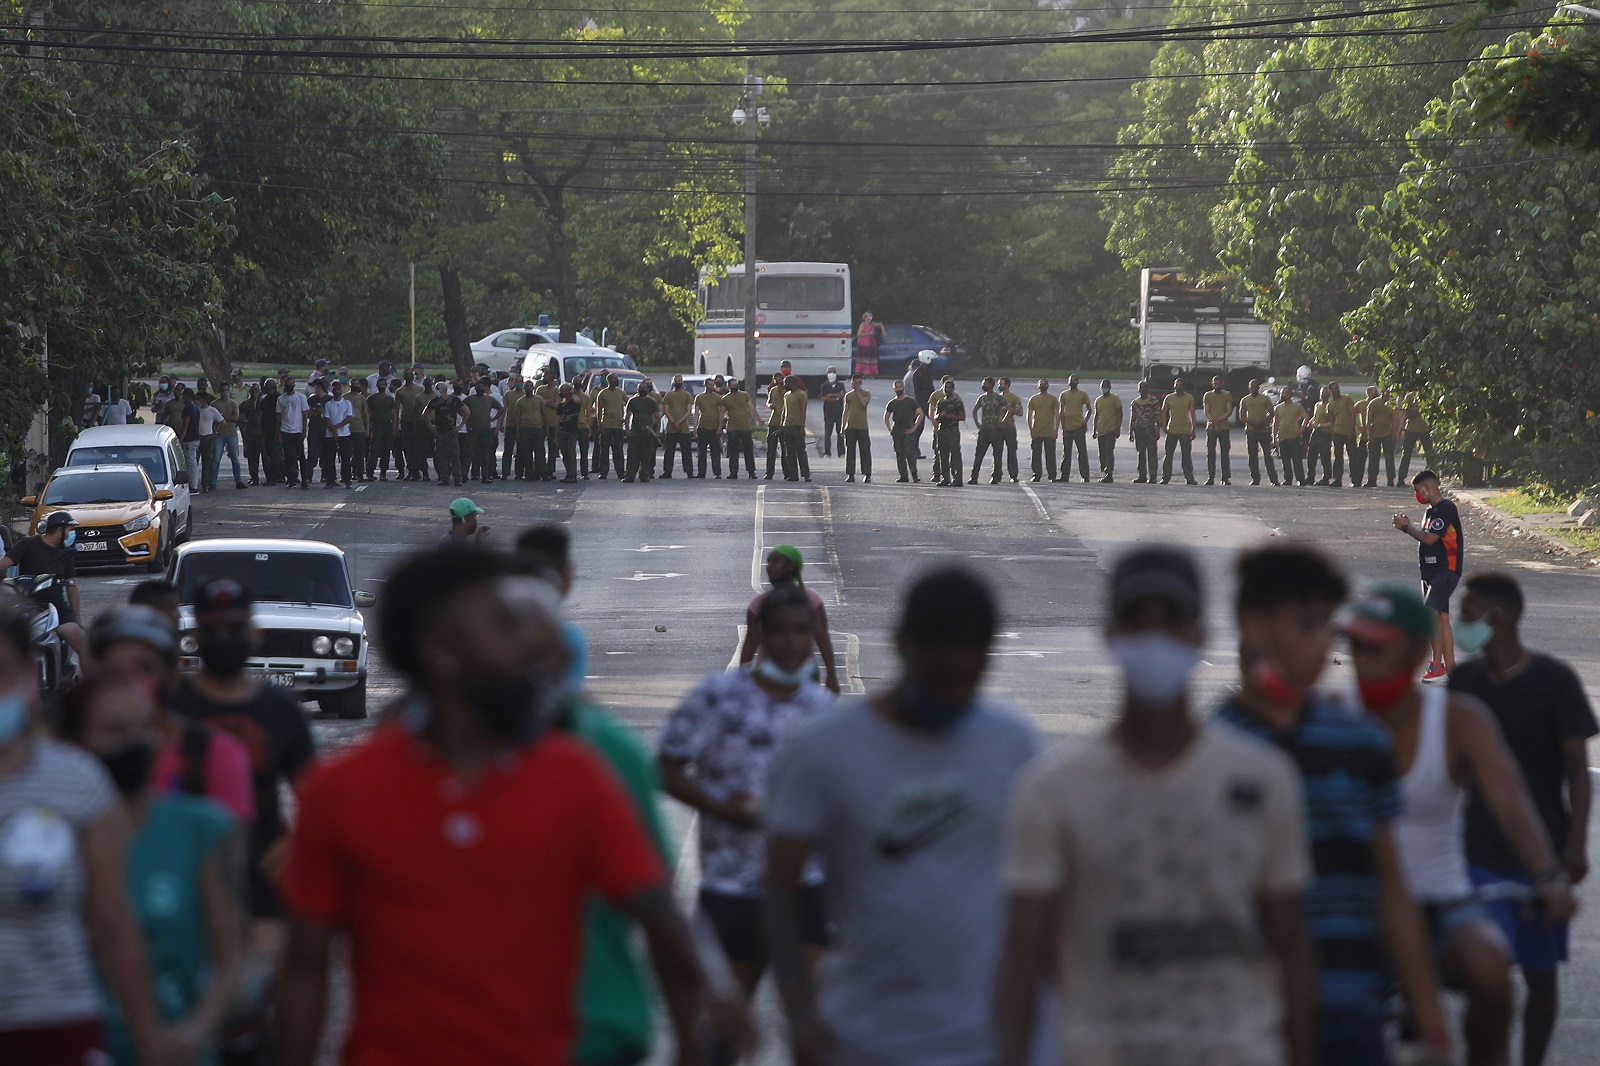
point(1351, 1036)
point(230, 445)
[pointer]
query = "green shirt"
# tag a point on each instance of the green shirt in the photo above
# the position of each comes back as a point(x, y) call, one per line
point(611, 402)
point(380, 410)
point(179, 835)
point(480, 410)
point(740, 414)
point(794, 408)
point(646, 412)
point(677, 402)
point(358, 412)
point(412, 399)
point(855, 408)
point(614, 998)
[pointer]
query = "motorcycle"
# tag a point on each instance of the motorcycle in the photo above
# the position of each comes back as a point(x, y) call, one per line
point(57, 663)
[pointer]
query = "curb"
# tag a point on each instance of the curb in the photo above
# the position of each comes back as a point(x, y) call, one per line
point(1523, 530)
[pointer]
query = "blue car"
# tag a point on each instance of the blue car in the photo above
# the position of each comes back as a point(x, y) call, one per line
point(902, 343)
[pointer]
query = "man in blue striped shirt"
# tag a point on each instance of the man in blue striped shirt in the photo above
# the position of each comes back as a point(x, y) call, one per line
point(1363, 921)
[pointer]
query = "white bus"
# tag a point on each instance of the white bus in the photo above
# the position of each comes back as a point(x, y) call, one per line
point(802, 315)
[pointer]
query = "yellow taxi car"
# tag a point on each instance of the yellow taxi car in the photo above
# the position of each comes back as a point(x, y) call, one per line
point(122, 519)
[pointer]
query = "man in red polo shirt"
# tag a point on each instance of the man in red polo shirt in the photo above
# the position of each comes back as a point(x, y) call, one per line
point(457, 847)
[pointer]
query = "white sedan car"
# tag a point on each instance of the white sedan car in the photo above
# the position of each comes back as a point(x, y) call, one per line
point(502, 348)
point(313, 637)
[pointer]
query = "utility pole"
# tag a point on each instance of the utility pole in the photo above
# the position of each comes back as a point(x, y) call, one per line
point(752, 86)
point(413, 300)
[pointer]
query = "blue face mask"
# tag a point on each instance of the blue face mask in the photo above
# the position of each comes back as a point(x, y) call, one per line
point(771, 671)
point(934, 715)
point(1472, 637)
point(70, 539)
point(14, 711)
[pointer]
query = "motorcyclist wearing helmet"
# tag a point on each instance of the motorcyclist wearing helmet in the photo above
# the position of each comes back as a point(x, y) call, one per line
point(50, 553)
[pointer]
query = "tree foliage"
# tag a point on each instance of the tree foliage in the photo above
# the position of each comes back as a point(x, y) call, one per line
point(106, 254)
point(1487, 291)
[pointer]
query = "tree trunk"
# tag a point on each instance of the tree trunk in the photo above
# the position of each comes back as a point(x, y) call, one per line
point(455, 319)
point(211, 349)
point(555, 231)
point(68, 386)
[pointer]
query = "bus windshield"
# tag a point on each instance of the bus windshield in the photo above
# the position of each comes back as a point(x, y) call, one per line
point(726, 296)
point(799, 292)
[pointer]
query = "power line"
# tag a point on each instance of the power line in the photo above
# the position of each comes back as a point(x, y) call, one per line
point(622, 49)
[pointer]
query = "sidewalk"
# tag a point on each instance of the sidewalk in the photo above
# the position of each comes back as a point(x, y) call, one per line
point(1541, 530)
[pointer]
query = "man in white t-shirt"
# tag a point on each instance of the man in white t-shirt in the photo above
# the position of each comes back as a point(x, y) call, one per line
point(1156, 872)
point(117, 412)
point(210, 420)
point(336, 415)
point(292, 408)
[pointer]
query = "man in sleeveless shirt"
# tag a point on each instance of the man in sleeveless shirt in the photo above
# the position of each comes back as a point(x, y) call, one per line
point(1443, 741)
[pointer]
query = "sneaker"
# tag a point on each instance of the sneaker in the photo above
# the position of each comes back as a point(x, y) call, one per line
point(1209, 482)
point(850, 479)
point(901, 480)
point(867, 479)
point(1106, 480)
point(1436, 672)
point(992, 481)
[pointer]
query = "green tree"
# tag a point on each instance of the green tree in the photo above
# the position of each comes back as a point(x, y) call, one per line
point(314, 154)
point(1487, 292)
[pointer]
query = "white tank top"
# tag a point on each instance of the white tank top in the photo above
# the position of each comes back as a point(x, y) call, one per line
point(1428, 833)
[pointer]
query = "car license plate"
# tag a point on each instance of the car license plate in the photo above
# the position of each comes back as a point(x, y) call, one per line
point(282, 680)
point(92, 546)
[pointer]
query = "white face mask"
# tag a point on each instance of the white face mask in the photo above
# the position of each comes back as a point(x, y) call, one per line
point(833, 377)
point(776, 674)
point(1155, 667)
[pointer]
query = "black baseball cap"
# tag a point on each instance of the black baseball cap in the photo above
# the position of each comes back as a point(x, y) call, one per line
point(1166, 573)
point(59, 520)
point(135, 622)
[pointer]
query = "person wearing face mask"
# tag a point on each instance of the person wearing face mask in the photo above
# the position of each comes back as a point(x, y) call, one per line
point(63, 906)
point(1546, 720)
point(644, 418)
point(1362, 917)
point(715, 753)
point(180, 880)
point(903, 418)
point(1076, 410)
point(903, 795)
point(1255, 410)
point(411, 401)
point(1162, 864)
point(676, 404)
point(1107, 428)
point(743, 416)
point(483, 413)
point(225, 441)
point(50, 553)
point(338, 414)
point(140, 643)
point(1446, 741)
point(1440, 549)
point(615, 1023)
point(393, 841)
point(949, 411)
point(785, 566)
point(1144, 430)
point(831, 393)
point(445, 416)
point(709, 413)
point(270, 724)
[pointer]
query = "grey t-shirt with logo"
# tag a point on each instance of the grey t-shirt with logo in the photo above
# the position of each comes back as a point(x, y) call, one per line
point(46, 977)
point(911, 829)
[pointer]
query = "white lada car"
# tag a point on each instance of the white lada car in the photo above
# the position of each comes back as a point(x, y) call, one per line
point(313, 638)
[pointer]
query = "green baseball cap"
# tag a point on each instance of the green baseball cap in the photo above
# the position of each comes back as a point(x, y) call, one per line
point(462, 507)
point(1389, 611)
point(791, 553)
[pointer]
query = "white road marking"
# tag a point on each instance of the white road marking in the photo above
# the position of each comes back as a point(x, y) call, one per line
point(1038, 504)
point(656, 548)
point(640, 575)
point(830, 542)
point(758, 555)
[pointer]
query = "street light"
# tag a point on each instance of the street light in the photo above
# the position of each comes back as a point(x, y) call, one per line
point(741, 118)
point(1580, 9)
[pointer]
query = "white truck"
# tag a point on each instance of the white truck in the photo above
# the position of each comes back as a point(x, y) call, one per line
point(1191, 330)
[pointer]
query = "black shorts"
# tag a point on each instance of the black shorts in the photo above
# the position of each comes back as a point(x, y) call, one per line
point(738, 923)
point(1437, 588)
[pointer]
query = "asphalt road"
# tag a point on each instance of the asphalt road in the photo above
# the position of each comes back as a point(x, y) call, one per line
point(667, 568)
